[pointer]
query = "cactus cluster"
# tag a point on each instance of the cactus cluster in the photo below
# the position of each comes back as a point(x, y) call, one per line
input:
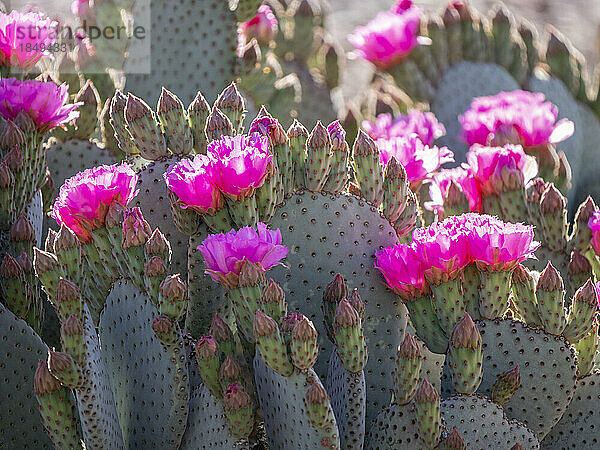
point(235, 285)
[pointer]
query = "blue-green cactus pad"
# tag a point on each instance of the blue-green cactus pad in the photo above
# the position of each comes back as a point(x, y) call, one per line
point(329, 234)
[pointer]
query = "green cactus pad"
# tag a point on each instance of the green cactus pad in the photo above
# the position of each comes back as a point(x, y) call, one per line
point(207, 426)
point(192, 49)
point(547, 367)
point(394, 427)
point(482, 424)
point(207, 297)
point(150, 389)
point(35, 215)
point(580, 424)
point(347, 393)
point(20, 421)
point(95, 401)
point(457, 89)
point(329, 234)
point(282, 403)
point(154, 203)
point(65, 159)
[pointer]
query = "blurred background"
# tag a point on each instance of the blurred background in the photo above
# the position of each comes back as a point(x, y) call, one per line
point(579, 20)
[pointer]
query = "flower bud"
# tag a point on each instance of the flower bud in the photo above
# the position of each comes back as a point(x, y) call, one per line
point(465, 334)
point(507, 383)
point(12, 137)
point(43, 382)
point(22, 231)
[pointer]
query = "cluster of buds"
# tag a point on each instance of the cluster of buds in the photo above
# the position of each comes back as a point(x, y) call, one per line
point(344, 316)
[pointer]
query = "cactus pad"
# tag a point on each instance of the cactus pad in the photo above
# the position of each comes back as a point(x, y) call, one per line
point(35, 215)
point(65, 159)
point(457, 89)
point(547, 367)
point(207, 426)
point(154, 203)
point(282, 403)
point(206, 296)
point(394, 427)
point(192, 49)
point(329, 234)
point(347, 393)
point(482, 424)
point(152, 395)
point(580, 424)
point(22, 349)
point(95, 401)
point(587, 176)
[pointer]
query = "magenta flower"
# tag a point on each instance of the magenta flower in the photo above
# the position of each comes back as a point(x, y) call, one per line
point(80, 8)
point(497, 245)
point(419, 160)
point(45, 102)
point(424, 124)
point(388, 38)
point(24, 38)
point(401, 5)
point(499, 169)
point(84, 199)
point(594, 225)
point(443, 247)
point(517, 117)
point(225, 254)
point(261, 27)
point(463, 178)
point(240, 164)
point(401, 267)
point(192, 181)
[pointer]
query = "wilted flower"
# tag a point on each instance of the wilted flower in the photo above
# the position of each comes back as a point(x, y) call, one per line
point(594, 225)
point(424, 124)
point(388, 38)
point(24, 38)
point(500, 245)
point(193, 183)
point(463, 179)
point(261, 27)
point(517, 117)
point(419, 160)
point(84, 199)
point(240, 164)
point(225, 254)
point(45, 102)
point(500, 169)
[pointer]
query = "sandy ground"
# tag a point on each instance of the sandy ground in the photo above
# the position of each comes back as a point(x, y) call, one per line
point(579, 20)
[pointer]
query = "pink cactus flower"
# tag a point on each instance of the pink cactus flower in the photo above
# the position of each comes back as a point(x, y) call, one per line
point(80, 8)
point(440, 251)
point(84, 199)
point(517, 117)
point(594, 225)
point(463, 178)
point(497, 245)
point(45, 102)
point(401, 6)
point(225, 254)
point(240, 164)
point(424, 124)
point(24, 38)
point(499, 169)
point(419, 160)
point(388, 38)
point(261, 27)
point(401, 267)
point(193, 183)
point(443, 247)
